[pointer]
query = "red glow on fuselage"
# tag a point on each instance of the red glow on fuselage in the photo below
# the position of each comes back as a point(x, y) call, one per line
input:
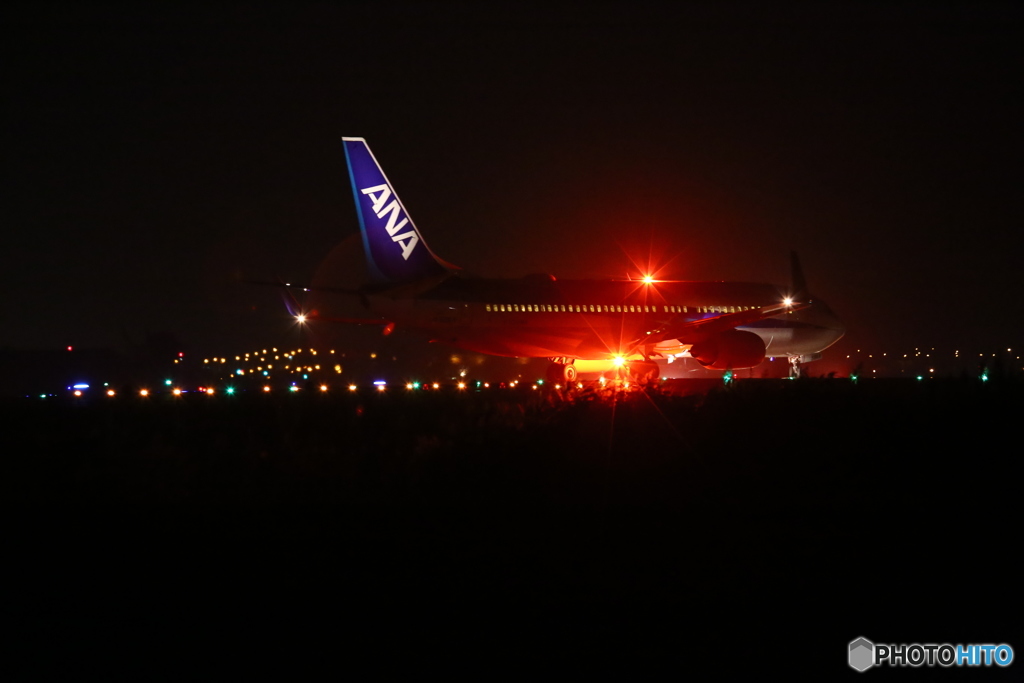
point(587, 319)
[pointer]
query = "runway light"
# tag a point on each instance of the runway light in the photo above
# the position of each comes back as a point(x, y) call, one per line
point(177, 391)
point(648, 279)
point(293, 388)
point(300, 318)
point(143, 392)
point(78, 392)
point(436, 385)
point(323, 387)
point(230, 390)
point(462, 385)
point(788, 301)
point(352, 387)
point(619, 361)
point(81, 386)
point(209, 392)
point(110, 392)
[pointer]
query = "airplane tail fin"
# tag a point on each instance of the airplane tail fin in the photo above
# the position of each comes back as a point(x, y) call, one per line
point(395, 250)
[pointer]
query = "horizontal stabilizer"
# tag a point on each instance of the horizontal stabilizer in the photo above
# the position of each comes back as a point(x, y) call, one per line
point(313, 315)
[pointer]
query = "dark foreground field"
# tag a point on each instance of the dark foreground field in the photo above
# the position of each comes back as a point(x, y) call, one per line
point(770, 519)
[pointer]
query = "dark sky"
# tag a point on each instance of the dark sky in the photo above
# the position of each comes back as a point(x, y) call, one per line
point(157, 157)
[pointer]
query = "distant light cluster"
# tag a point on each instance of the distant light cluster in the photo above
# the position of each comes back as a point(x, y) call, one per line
point(271, 361)
point(927, 362)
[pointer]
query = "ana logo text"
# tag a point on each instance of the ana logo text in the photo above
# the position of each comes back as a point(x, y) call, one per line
point(380, 194)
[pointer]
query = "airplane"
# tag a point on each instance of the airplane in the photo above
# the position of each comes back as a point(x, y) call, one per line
point(579, 325)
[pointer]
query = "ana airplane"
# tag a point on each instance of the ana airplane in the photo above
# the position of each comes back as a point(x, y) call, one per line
point(580, 325)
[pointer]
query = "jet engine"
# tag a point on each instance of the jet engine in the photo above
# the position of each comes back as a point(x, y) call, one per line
point(733, 350)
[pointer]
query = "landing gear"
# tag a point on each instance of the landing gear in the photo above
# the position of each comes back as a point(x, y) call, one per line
point(794, 367)
point(562, 371)
point(643, 371)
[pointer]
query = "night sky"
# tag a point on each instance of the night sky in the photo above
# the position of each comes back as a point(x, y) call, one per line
point(158, 159)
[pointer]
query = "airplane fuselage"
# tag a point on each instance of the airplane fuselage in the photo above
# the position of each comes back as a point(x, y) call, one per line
point(593, 319)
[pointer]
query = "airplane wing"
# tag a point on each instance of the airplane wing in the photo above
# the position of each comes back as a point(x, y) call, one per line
point(693, 331)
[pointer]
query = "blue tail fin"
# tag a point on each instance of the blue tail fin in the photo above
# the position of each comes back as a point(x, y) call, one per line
point(395, 250)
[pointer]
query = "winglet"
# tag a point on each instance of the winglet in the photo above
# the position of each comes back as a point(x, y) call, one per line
point(395, 250)
point(797, 284)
